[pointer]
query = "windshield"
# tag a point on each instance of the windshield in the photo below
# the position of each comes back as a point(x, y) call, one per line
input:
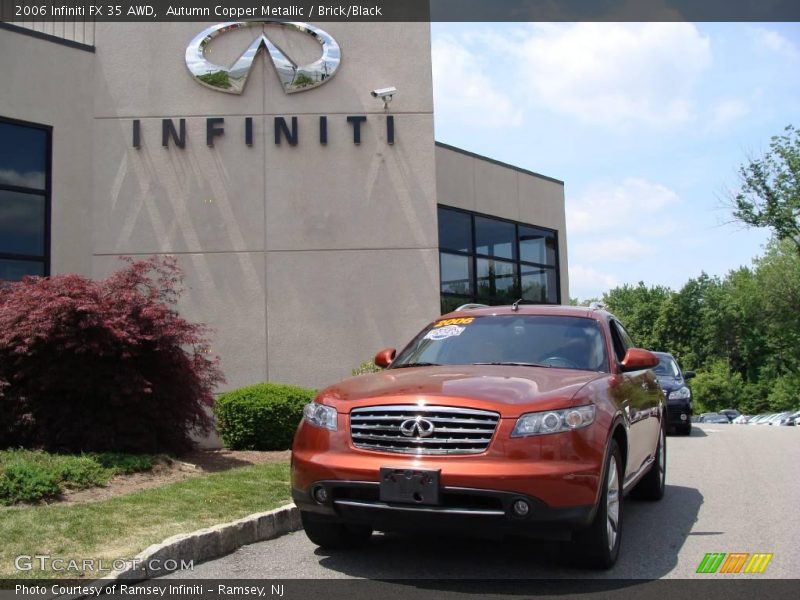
point(667, 367)
point(524, 340)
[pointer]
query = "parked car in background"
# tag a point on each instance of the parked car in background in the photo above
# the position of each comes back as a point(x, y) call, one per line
point(780, 418)
point(731, 413)
point(786, 418)
point(679, 396)
point(714, 418)
point(741, 419)
point(510, 420)
point(759, 419)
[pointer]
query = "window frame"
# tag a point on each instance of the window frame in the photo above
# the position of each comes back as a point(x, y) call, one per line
point(517, 262)
point(620, 340)
point(46, 192)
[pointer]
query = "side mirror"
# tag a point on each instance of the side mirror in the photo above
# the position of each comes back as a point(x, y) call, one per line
point(688, 374)
point(385, 357)
point(637, 359)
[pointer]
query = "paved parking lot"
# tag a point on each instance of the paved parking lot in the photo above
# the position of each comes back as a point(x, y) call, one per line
point(731, 488)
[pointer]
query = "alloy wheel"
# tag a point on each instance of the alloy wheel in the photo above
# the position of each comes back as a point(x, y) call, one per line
point(612, 504)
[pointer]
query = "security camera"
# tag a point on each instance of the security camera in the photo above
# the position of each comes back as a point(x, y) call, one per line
point(386, 94)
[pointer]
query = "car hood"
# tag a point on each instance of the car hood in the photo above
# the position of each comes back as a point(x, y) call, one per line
point(475, 386)
point(670, 384)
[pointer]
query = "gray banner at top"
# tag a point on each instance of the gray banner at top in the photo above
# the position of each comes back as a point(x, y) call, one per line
point(400, 10)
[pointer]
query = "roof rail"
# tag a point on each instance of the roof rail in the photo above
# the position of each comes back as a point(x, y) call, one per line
point(471, 306)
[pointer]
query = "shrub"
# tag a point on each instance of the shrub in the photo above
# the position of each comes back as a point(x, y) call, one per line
point(104, 365)
point(31, 476)
point(262, 416)
point(27, 482)
point(80, 472)
point(125, 464)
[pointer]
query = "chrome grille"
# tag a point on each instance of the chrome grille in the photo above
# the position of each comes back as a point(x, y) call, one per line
point(455, 430)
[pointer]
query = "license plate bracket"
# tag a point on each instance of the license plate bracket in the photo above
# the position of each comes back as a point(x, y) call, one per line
point(409, 486)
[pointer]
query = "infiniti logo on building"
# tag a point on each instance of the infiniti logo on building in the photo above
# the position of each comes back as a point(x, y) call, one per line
point(417, 427)
point(293, 77)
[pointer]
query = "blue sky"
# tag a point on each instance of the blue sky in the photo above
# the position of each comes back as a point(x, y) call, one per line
point(646, 123)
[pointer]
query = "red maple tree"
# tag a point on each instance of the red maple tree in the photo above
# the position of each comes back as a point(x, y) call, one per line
point(96, 365)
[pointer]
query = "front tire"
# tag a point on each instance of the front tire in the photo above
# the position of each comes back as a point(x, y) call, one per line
point(327, 533)
point(598, 545)
point(651, 487)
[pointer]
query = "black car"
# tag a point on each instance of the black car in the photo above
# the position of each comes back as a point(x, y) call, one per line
point(679, 396)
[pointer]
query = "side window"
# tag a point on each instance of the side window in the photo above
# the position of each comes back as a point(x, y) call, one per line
point(626, 339)
point(620, 339)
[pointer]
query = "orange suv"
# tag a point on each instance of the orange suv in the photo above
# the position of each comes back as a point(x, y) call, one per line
point(517, 420)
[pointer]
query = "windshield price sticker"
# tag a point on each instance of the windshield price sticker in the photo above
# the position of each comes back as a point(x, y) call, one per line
point(442, 333)
point(459, 321)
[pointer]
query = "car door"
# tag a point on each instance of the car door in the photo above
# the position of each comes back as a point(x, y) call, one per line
point(639, 397)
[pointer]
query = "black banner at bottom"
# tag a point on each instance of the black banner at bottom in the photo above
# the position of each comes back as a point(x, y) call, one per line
point(400, 589)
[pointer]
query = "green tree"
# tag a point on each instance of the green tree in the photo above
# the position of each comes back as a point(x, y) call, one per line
point(638, 308)
point(716, 388)
point(741, 333)
point(770, 189)
point(682, 326)
point(778, 282)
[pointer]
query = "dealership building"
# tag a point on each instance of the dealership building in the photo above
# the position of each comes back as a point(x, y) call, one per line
point(316, 222)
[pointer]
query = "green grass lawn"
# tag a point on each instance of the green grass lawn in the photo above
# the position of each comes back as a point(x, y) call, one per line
point(123, 526)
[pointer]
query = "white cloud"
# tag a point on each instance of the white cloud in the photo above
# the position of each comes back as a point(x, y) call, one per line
point(621, 207)
point(587, 282)
point(462, 90)
point(623, 249)
point(774, 42)
point(728, 111)
point(614, 74)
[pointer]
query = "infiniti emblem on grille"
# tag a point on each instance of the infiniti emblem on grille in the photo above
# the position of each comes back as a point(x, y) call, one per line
point(417, 427)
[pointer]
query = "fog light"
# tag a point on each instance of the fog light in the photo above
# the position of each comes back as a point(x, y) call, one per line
point(521, 508)
point(320, 494)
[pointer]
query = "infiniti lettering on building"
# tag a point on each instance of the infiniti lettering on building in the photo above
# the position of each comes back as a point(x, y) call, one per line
point(292, 77)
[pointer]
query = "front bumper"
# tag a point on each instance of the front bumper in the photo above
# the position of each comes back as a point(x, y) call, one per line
point(679, 414)
point(479, 511)
point(558, 475)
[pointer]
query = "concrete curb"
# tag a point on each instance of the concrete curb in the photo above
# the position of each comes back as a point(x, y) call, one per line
point(205, 544)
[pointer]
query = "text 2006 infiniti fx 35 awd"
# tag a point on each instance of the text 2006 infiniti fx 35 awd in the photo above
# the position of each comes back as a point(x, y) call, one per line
point(506, 420)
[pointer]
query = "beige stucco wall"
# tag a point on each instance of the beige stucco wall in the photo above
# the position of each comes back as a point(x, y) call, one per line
point(51, 84)
point(474, 183)
point(304, 259)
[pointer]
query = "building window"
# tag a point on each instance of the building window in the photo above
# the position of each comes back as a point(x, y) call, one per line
point(495, 261)
point(24, 199)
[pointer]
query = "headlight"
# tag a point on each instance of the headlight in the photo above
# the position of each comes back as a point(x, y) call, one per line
point(320, 415)
point(553, 421)
point(681, 394)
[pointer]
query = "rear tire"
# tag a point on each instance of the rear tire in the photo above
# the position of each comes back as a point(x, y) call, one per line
point(651, 487)
point(598, 545)
point(327, 533)
point(686, 429)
